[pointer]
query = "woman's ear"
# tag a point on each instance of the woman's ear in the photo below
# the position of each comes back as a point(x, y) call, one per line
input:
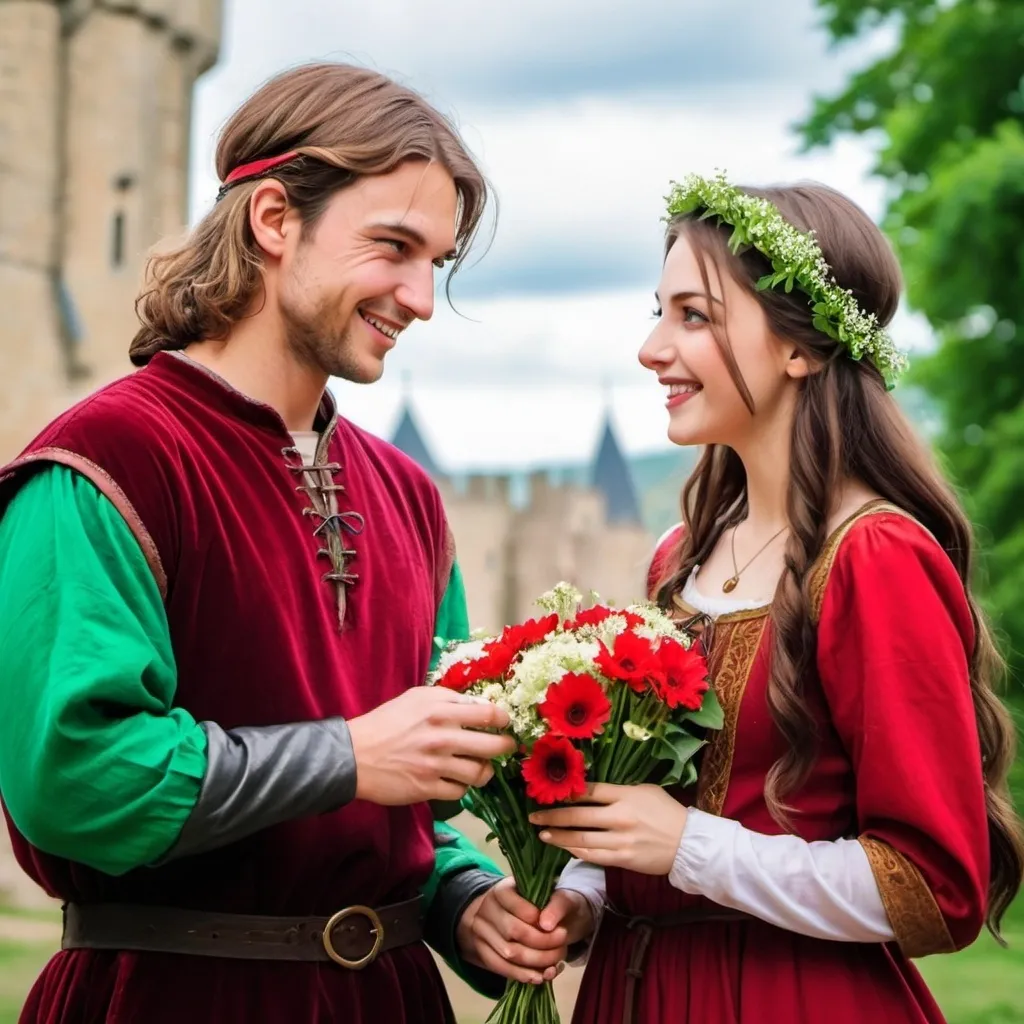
point(798, 365)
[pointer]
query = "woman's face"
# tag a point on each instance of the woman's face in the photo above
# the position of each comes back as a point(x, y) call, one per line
point(705, 405)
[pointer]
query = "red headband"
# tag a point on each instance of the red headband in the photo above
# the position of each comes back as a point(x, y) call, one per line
point(255, 169)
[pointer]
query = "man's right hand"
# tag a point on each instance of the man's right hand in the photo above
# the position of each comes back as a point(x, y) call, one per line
point(426, 744)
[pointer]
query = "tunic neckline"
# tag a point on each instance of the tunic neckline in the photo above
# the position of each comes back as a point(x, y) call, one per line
point(760, 610)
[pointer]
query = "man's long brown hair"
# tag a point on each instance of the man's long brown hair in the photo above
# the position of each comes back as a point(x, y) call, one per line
point(847, 426)
point(346, 122)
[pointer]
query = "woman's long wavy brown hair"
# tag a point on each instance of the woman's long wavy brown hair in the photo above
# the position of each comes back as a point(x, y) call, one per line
point(346, 122)
point(846, 426)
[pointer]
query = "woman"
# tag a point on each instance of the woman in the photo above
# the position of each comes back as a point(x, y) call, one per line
point(853, 812)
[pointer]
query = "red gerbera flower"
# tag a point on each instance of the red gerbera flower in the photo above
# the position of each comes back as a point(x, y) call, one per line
point(528, 633)
point(684, 678)
point(632, 660)
point(554, 770)
point(460, 677)
point(497, 659)
point(596, 615)
point(493, 664)
point(576, 706)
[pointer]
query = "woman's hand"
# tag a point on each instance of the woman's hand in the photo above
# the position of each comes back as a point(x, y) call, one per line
point(504, 933)
point(638, 828)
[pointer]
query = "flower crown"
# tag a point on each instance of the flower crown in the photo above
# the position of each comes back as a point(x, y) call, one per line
point(796, 259)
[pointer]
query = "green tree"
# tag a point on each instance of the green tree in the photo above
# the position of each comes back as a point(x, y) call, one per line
point(947, 107)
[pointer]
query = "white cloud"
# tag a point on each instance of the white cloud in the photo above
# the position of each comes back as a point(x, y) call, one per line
point(581, 184)
point(465, 50)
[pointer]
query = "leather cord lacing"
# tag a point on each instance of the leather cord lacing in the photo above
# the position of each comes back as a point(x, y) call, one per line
point(333, 526)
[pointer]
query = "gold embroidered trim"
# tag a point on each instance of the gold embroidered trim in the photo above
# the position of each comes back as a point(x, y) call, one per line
point(915, 917)
point(822, 568)
point(735, 645)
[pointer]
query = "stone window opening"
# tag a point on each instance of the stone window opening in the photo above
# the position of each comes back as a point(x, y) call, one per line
point(117, 228)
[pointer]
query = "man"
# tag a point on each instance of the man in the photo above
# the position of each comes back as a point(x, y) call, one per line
point(218, 600)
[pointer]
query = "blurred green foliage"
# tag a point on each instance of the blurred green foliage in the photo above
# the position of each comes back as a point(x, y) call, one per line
point(947, 107)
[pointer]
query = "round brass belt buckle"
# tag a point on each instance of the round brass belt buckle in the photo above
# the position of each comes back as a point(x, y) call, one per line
point(376, 929)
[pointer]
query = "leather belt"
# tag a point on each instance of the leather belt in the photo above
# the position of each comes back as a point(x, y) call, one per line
point(353, 937)
point(643, 929)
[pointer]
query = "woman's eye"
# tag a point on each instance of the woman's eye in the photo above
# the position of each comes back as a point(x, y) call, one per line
point(656, 313)
point(398, 245)
point(693, 316)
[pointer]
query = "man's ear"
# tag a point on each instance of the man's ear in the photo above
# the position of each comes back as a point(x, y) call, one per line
point(268, 217)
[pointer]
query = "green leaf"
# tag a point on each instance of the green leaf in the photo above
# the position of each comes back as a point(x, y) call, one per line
point(710, 715)
point(678, 747)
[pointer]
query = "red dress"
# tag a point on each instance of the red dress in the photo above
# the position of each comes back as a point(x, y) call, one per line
point(898, 767)
point(201, 474)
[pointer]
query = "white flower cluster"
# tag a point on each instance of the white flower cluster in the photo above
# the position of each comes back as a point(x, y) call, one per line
point(657, 624)
point(539, 667)
point(796, 259)
point(562, 598)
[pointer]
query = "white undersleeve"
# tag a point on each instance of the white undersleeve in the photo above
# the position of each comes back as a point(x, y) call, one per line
point(823, 889)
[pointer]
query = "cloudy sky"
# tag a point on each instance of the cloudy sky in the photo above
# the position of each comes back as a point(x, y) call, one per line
point(581, 112)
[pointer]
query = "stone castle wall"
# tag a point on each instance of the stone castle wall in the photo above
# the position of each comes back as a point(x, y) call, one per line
point(95, 115)
point(510, 556)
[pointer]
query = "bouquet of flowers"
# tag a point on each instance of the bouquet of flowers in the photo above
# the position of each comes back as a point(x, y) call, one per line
point(594, 695)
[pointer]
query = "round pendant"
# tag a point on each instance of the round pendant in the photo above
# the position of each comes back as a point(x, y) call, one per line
point(730, 584)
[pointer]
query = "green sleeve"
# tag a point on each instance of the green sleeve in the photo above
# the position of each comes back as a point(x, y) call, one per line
point(461, 871)
point(96, 763)
point(453, 615)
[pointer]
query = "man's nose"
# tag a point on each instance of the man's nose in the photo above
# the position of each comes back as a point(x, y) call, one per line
point(416, 292)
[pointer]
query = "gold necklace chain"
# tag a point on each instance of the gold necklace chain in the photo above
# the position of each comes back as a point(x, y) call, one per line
point(733, 581)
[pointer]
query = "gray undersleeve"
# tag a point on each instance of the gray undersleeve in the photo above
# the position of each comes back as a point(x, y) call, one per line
point(260, 776)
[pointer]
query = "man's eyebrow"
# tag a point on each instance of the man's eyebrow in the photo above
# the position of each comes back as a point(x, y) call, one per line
point(410, 234)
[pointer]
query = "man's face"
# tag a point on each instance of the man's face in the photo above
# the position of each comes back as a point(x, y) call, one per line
point(365, 271)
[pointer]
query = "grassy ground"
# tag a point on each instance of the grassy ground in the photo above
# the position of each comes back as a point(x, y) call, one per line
point(985, 984)
point(20, 962)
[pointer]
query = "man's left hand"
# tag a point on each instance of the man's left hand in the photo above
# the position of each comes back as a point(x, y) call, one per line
point(500, 931)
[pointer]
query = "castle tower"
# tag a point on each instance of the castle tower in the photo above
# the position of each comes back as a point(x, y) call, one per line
point(409, 439)
point(95, 113)
point(592, 537)
point(612, 478)
point(480, 516)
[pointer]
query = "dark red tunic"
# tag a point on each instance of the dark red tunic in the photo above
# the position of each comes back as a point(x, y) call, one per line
point(201, 473)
